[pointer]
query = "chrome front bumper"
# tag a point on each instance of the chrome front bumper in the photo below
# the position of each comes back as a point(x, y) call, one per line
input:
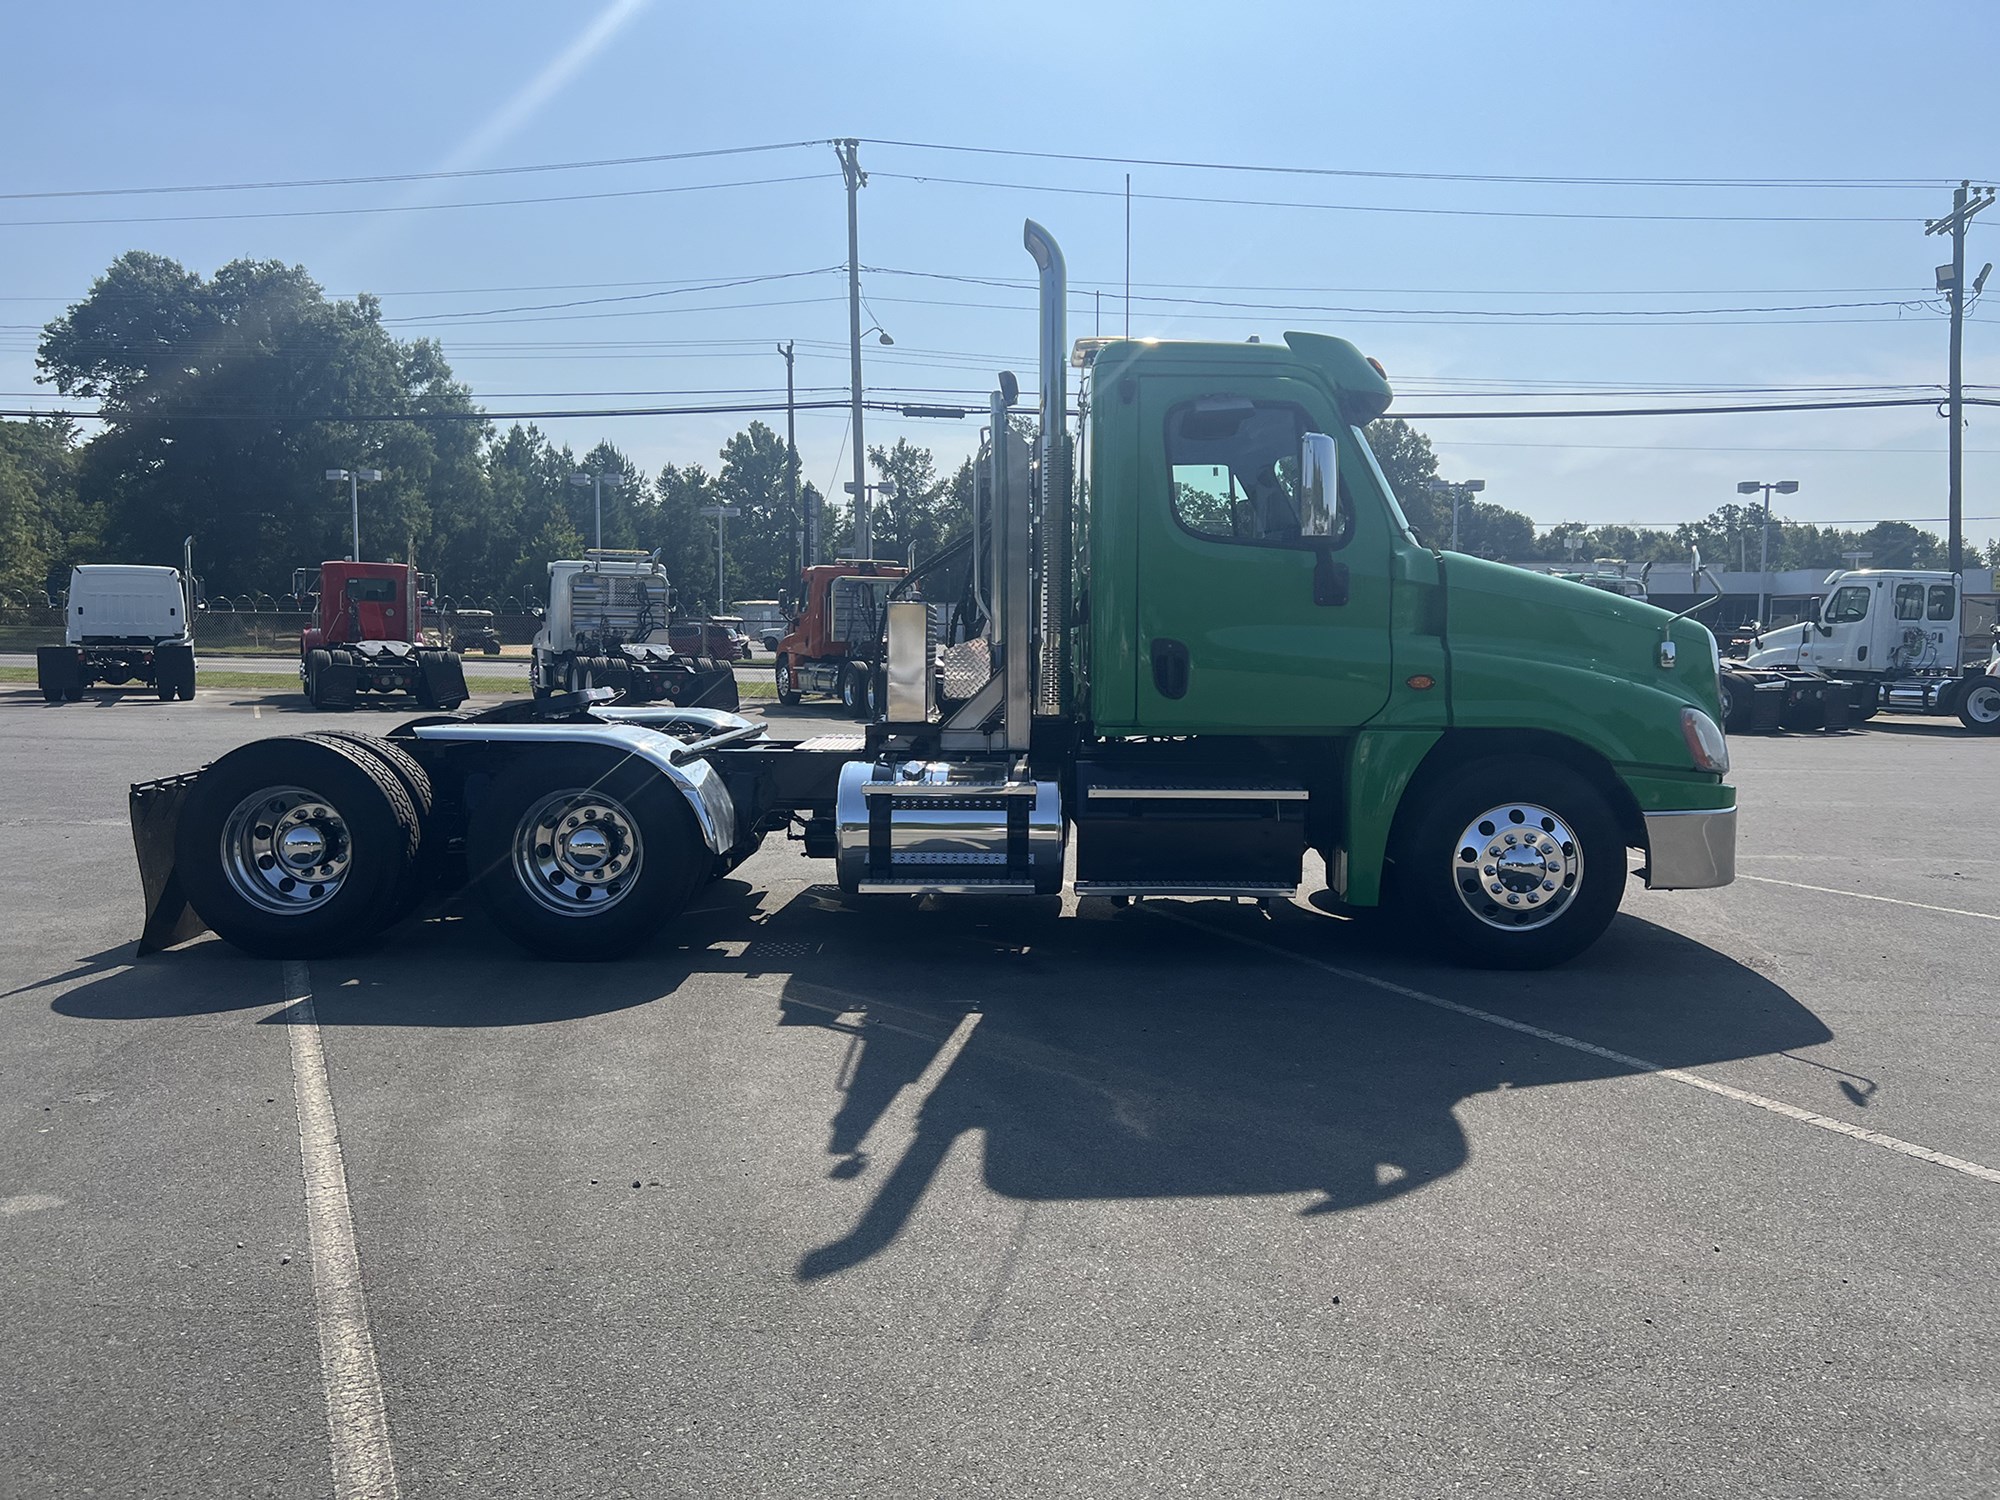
point(1690, 851)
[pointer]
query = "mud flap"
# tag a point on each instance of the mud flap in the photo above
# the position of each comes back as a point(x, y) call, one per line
point(156, 816)
point(443, 679)
point(338, 683)
point(712, 688)
point(59, 670)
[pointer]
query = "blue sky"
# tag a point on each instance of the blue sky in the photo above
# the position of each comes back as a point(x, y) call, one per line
point(127, 96)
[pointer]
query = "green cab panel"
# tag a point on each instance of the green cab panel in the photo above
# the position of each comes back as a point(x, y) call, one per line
point(1238, 624)
point(1532, 652)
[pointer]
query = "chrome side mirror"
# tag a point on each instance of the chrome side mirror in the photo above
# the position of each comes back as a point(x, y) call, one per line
point(1319, 484)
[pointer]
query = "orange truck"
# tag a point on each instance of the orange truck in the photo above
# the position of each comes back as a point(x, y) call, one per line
point(365, 638)
point(834, 640)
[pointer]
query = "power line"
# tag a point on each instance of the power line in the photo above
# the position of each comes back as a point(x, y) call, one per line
point(1377, 208)
point(1356, 172)
point(416, 208)
point(390, 177)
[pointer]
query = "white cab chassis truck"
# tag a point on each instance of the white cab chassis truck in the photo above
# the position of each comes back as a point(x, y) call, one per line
point(606, 627)
point(1883, 641)
point(122, 624)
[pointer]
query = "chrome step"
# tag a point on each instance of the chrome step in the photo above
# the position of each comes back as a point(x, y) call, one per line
point(970, 887)
point(1195, 791)
point(1256, 889)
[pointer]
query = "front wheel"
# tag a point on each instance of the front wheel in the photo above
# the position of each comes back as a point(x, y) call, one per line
point(1979, 705)
point(787, 694)
point(850, 689)
point(582, 853)
point(1511, 864)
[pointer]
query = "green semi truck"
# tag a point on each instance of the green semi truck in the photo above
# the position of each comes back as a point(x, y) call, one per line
point(1191, 638)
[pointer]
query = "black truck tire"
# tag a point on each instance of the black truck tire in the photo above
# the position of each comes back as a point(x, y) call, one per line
point(420, 872)
point(1978, 705)
point(1735, 705)
point(581, 853)
point(850, 689)
point(317, 661)
point(246, 835)
point(787, 694)
point(1560, 865)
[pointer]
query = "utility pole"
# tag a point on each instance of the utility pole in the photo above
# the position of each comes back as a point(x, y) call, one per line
point(849, 152)
point(1966, 200)
point(804, 534)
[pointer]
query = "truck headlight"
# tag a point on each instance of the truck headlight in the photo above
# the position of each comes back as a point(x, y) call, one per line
point(1704, 741)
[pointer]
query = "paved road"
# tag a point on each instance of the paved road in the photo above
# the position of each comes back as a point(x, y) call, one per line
point(827, 1198)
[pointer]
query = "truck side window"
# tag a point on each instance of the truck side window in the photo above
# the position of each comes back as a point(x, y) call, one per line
point(1943, 605)
point(1909, 601)
point(1848, 603)
point(1234, 467)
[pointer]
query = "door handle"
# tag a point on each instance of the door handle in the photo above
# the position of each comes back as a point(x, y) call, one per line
point(1329, 579)
point(1170, 667)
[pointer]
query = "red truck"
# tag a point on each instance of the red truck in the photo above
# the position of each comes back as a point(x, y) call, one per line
point(366, 639)
point(834, 642)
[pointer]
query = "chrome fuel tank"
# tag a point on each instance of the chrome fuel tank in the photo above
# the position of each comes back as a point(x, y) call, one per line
point(947, 828)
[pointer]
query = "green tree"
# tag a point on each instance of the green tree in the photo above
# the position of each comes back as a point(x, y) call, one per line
point(682, 536)
point(1409, 465)
point(226, 400)
point(754, 479)
point(924, 511)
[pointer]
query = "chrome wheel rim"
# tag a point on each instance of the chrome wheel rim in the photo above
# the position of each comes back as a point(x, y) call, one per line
point(577, 852)
point(1982, 704)
point(1517, 866)
point(286, 850)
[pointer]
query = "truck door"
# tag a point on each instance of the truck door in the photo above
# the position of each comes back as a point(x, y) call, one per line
point(1853, 619)
point(1242, 625)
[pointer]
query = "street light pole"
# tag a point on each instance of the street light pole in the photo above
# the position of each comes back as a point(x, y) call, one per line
point(1750, 487)
point(354, 478)
point(596, 484)
point(719, 514)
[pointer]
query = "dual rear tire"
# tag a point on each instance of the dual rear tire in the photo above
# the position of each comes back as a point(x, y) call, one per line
point(298, 847)
point(582, 853)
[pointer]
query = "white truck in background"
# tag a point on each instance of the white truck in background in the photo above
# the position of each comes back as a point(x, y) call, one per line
point(1884, 640)
point(124, 623)
point(607, 626)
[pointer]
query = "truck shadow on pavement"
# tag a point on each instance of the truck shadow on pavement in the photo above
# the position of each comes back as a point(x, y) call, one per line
point(1187, 1051)
point(1183, 1049)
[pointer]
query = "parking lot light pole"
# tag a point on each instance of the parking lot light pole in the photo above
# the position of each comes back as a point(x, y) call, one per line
point(354, 478)
point(1750, 487)
point(720, 514)
point(595, 483)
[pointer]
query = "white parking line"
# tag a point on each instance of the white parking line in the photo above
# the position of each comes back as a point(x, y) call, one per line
point(357, 1423)
point(1827, 890)
point(1637, 1064)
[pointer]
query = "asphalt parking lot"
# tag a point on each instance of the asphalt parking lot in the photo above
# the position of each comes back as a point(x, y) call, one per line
point(987, 1199)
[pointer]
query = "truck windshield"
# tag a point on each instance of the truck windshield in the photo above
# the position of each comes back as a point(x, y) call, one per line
point(372, 590)
point(1396, 517)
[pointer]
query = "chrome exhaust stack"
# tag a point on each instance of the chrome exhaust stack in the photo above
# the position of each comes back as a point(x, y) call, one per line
point(1053, 587)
